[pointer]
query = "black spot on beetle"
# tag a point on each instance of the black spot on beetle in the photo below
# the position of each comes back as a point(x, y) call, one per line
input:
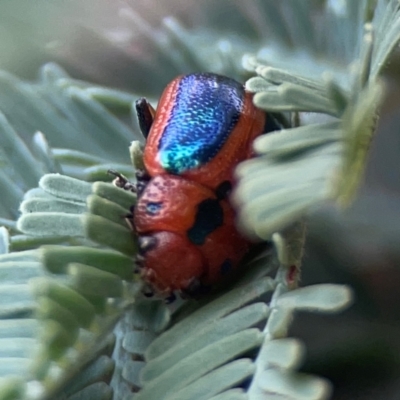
point(209, 217)
point(226, 267)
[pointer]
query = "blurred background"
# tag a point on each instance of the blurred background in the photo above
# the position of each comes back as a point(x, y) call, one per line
point(120, 44)
point(114, 43)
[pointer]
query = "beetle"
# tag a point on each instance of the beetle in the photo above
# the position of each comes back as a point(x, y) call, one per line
point(204, 125)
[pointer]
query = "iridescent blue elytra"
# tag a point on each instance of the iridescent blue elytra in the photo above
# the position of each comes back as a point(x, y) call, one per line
point(207, 108)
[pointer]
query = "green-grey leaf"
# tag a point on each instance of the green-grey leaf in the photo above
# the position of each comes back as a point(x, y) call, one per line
point(51, 223)
point(15, 299)
point(285, 353)
point(233, 394)
point(51, 205)
point(216, 381)
point(4, 240)
point(324, 297)
point(44, 153)
point(21, 272)
point(17, 347)
point(52, 310)
point(200, 363)
point(235, 322)
point(67, 298)
point(96, 391)
point(108, 209)
point(22, 159)
point(136, 342)
point(290, 142)
point(65, 187)
point(298, 386)
point(110, 192)
point(210, 312)
point(131, 372)
point(57, 258)
point(12, 388)
point(97, 371)
point(18, 328)
point(92, 281)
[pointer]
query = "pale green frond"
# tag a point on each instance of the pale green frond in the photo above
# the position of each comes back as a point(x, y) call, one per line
point(313, 39)
point(71, 294)
point(70, 116)
point(322, 160)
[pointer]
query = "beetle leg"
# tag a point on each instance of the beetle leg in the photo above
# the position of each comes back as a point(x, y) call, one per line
point(147, 275)
point(145, 113)
point(139, 258)
point(139, 261)
point(148, 291)
point(142, 179)
point(122, 181)
point(146, 243)
point(194, 289)
point(170, 298)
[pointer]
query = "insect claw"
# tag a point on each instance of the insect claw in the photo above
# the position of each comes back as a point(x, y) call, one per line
point(183, 295)
point(170, 298)
point(194, 289)
point(139, 261)
point(121, 181)
point(140, 186)
point(142, 175)
point(146, 243)
point(139, 258)
point(148, 293)
point(142, 179)
point(147, 290)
